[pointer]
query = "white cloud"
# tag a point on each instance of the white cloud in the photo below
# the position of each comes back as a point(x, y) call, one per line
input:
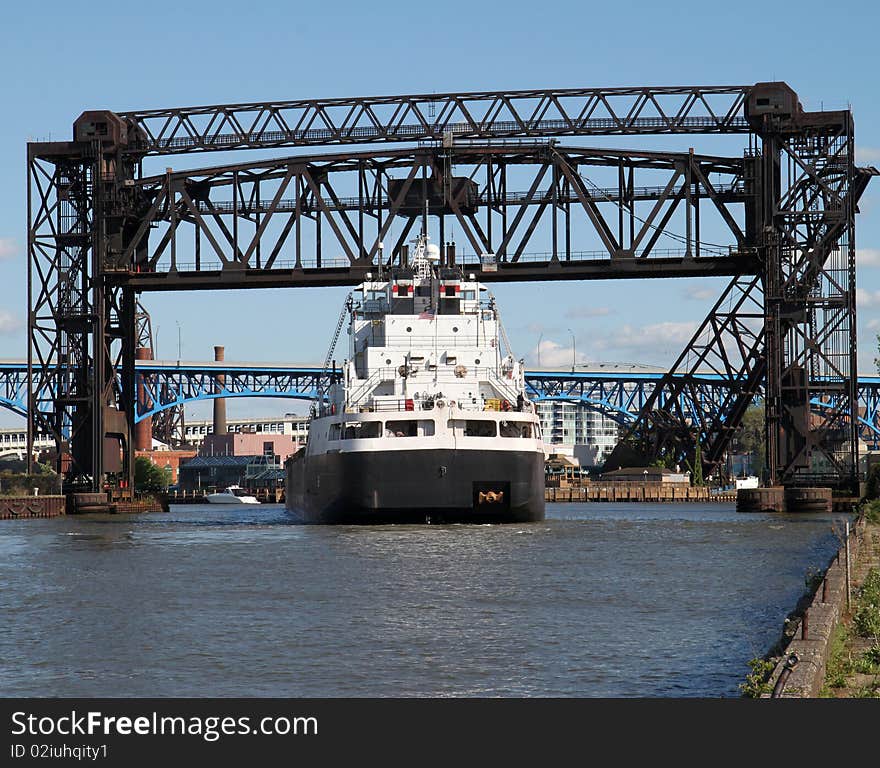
point(867, 154)
point(873, 325)
point(866, 299)
point(655, 343)
point(9, 323)
point(549, 354)
point(868, 257)
point(8, 248)
point(653, 338)
point(701, 294)
point(576, 312)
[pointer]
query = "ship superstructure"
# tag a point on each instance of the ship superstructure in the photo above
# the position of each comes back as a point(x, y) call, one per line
point(428, 417)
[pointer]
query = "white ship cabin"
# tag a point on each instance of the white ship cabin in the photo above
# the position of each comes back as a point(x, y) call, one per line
point(425, 357)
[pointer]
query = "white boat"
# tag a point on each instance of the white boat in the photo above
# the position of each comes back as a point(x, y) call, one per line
point(429, 419)
point(234, 494)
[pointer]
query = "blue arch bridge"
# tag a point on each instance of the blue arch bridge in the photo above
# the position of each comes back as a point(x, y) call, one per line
point(616, 392)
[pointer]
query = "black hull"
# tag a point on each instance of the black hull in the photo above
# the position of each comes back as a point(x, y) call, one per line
point(417, 486)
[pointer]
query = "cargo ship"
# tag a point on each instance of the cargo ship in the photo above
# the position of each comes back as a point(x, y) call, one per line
point(427, 419)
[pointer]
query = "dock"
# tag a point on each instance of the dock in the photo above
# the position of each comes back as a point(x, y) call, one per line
point(637, 492)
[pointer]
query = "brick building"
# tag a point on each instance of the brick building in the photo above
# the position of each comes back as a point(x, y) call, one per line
point(249, 444)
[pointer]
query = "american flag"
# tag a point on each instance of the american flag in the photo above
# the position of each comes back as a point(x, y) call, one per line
point(428, 314)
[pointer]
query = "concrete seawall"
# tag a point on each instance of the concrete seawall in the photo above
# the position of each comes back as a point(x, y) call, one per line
point(811, 644)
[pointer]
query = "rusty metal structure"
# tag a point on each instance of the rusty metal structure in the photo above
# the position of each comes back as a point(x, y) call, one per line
point(513, 194)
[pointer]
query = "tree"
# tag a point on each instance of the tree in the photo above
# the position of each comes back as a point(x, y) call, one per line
point(149, 477)
point(698, 464)
point(751, 436)
point(872, 486)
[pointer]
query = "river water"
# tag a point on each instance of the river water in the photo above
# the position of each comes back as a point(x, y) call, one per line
point(598, 600)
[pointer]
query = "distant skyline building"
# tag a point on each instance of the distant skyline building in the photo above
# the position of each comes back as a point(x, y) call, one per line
point(296, 427)
point(568, 425)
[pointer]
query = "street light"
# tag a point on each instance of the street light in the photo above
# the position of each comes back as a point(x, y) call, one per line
point(540, 339)
point(573, 350)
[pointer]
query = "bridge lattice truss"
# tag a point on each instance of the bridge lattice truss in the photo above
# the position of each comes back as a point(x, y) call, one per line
point(502, 175)
point(620, 396)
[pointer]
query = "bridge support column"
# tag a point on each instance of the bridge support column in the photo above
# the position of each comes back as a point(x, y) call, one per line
point(143, 430)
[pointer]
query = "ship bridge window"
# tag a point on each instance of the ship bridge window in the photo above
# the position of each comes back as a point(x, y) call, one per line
point(374, 301)
point(469, 295)
point(474, 427)
point(358, 430)
point(515, 429)
point(409, 428)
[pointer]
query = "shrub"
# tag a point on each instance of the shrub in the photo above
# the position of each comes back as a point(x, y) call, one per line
point(757, 681)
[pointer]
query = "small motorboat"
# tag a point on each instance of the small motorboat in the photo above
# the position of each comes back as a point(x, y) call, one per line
point(234, 494)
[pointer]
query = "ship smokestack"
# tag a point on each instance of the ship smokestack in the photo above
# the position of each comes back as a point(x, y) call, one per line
point(143, 430)
point(220, 402)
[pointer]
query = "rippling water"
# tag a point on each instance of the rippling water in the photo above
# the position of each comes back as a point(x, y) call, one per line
point(598, 600)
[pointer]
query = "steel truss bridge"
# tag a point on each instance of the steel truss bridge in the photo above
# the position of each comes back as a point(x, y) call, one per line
point(619, 395)
point(353, 179)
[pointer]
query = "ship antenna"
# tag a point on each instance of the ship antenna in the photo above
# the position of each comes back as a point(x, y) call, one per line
point(500, 325)
point(347, 307)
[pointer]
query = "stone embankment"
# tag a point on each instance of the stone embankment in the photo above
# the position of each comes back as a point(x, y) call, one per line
point(800, 672)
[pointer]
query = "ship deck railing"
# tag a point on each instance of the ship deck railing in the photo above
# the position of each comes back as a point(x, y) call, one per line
point(505, 387)
point(416, 405)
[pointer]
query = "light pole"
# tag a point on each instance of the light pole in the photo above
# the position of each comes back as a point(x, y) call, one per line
point(573, 350)
point(540, 339)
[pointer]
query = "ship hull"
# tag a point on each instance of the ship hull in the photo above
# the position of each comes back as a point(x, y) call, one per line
point(417, 486)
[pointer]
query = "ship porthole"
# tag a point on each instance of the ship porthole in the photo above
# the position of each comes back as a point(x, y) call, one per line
point(409, 329)
point(477, 361)
point(455, 329)
point(388, 361)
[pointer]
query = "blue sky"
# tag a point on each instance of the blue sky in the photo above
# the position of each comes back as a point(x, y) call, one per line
point(58, 61)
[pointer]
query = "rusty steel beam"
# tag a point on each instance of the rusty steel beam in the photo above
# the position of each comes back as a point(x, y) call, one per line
point(274, 222)
point(433, 117)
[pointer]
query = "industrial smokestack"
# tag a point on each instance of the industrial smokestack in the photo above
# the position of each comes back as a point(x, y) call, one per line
point(220, 402)
point(143, 430)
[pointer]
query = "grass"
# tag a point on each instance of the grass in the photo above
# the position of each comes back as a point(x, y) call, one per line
point(866, 618)
point(843, 663)
point(839, 661)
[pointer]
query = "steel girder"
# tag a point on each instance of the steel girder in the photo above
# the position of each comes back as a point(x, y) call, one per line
point(729, 345)
point(293, 221)
point(107, 247)
point(173, 386)
point(805, 346)
point(703, 398)
point(621, 396)
point(168, 423)
point(81, 328)
point(808, 214)
point(14, 382)
point(433, 117)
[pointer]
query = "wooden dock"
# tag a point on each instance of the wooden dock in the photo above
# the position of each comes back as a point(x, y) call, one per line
point(657, 493)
